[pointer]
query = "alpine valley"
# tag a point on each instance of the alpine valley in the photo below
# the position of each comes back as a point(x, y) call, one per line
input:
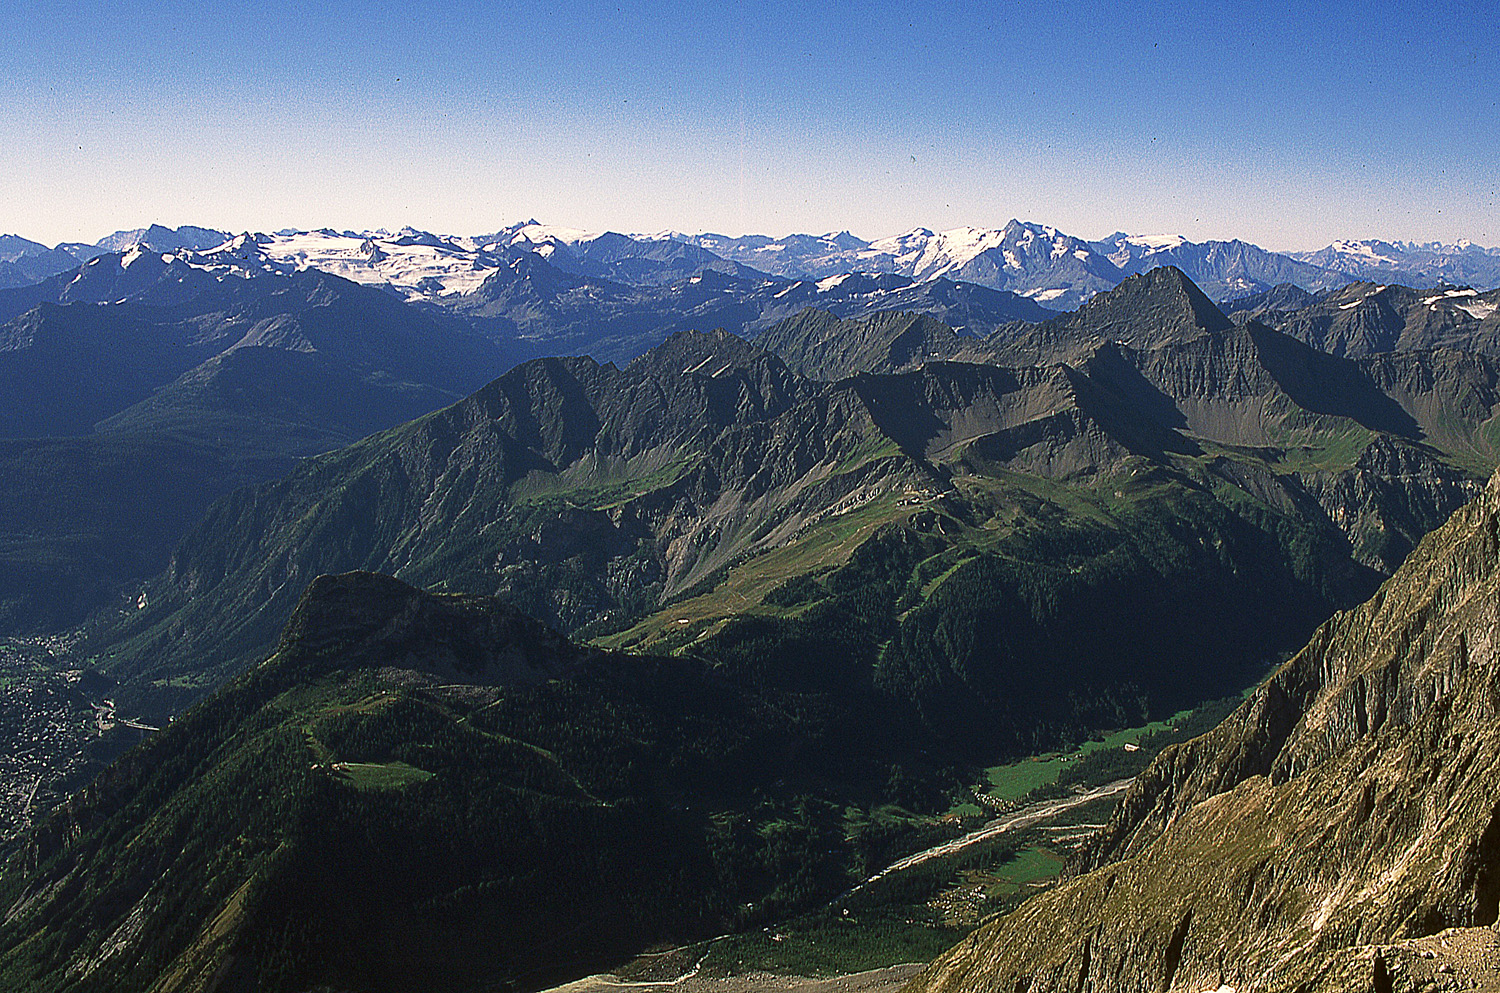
point(389, 612)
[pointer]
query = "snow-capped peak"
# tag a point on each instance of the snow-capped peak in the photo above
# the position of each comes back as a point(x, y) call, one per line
point(1156, 242)
point(924, 255)
point(538, 234)
point(243, 255)
point(418, 264)
point(1369, 252)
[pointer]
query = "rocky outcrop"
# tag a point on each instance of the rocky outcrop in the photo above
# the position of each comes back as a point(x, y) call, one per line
point(819, 345)
point(1345, 812)
point(1365, 319)
point(1389, 499)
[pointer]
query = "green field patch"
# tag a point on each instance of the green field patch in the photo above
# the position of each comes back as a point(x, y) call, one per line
point(929, 587)
point(825, 545)
point(872, 449)
point(1480, 457)
point(1488, 436)
point(827, 945)
point(1013, 781)
point(1016, 496)
point(1328, 450)
point(380, 775)
point(1029, 865)
point(185, 682)
point(603, 491)
point(1003, 887)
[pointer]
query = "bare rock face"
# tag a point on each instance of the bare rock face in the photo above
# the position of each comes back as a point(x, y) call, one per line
point(1326, 836)
point(1383, 502)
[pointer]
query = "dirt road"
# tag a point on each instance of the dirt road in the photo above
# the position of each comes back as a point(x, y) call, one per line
point(886, 980)
point(1018, 820)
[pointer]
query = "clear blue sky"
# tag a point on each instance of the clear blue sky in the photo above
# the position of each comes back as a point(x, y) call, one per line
point(1285, 127)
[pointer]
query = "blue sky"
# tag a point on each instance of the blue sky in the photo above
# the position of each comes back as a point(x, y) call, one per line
point(1287, 127)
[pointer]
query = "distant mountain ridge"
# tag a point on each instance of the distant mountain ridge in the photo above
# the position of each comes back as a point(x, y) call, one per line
point(1224, 270)
point(1068, 270)
point(142, 385)
point(538, 309)
point(1416, 264)
point(1034, 260)
point(23, 261)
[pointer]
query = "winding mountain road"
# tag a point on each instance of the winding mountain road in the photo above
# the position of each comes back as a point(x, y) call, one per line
point(877, 979)
point(1016, 821)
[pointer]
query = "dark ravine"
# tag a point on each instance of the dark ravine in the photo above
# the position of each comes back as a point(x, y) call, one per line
point(1324, 837)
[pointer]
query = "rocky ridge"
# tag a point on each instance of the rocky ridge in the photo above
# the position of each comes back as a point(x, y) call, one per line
point(592, 494)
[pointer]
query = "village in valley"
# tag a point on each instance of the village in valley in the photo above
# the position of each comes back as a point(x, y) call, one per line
point(56, 725)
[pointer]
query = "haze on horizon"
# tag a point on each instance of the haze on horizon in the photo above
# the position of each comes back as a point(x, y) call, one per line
point(1290, 129)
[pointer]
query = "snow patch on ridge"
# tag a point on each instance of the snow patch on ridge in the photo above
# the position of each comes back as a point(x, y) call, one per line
point(419, 265)
point(1156, 242)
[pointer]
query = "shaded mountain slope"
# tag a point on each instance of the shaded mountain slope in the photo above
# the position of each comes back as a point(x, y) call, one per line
point(435, 792)
point(1281, 298)
point(1364, 319)
point(68, 367)
point(1194, 384)
point(23, 262)
point(1409, 435)
point(1158, 307)
point(147, 385)
point(1344, 813)
point(85, 517)
point(577, 489)
point(1163, 344)
point(819, 345)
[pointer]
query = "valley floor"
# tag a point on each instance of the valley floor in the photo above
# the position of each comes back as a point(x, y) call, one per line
point(1037, 813)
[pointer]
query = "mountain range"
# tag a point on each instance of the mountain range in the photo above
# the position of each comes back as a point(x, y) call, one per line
point(203, 371)
point(141, 386)
point(23, 262)
point(456, 639)
point(435, 790)
point(1036, 261)
point(1062, 271)
point(710, 496)
point(1363, 319)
